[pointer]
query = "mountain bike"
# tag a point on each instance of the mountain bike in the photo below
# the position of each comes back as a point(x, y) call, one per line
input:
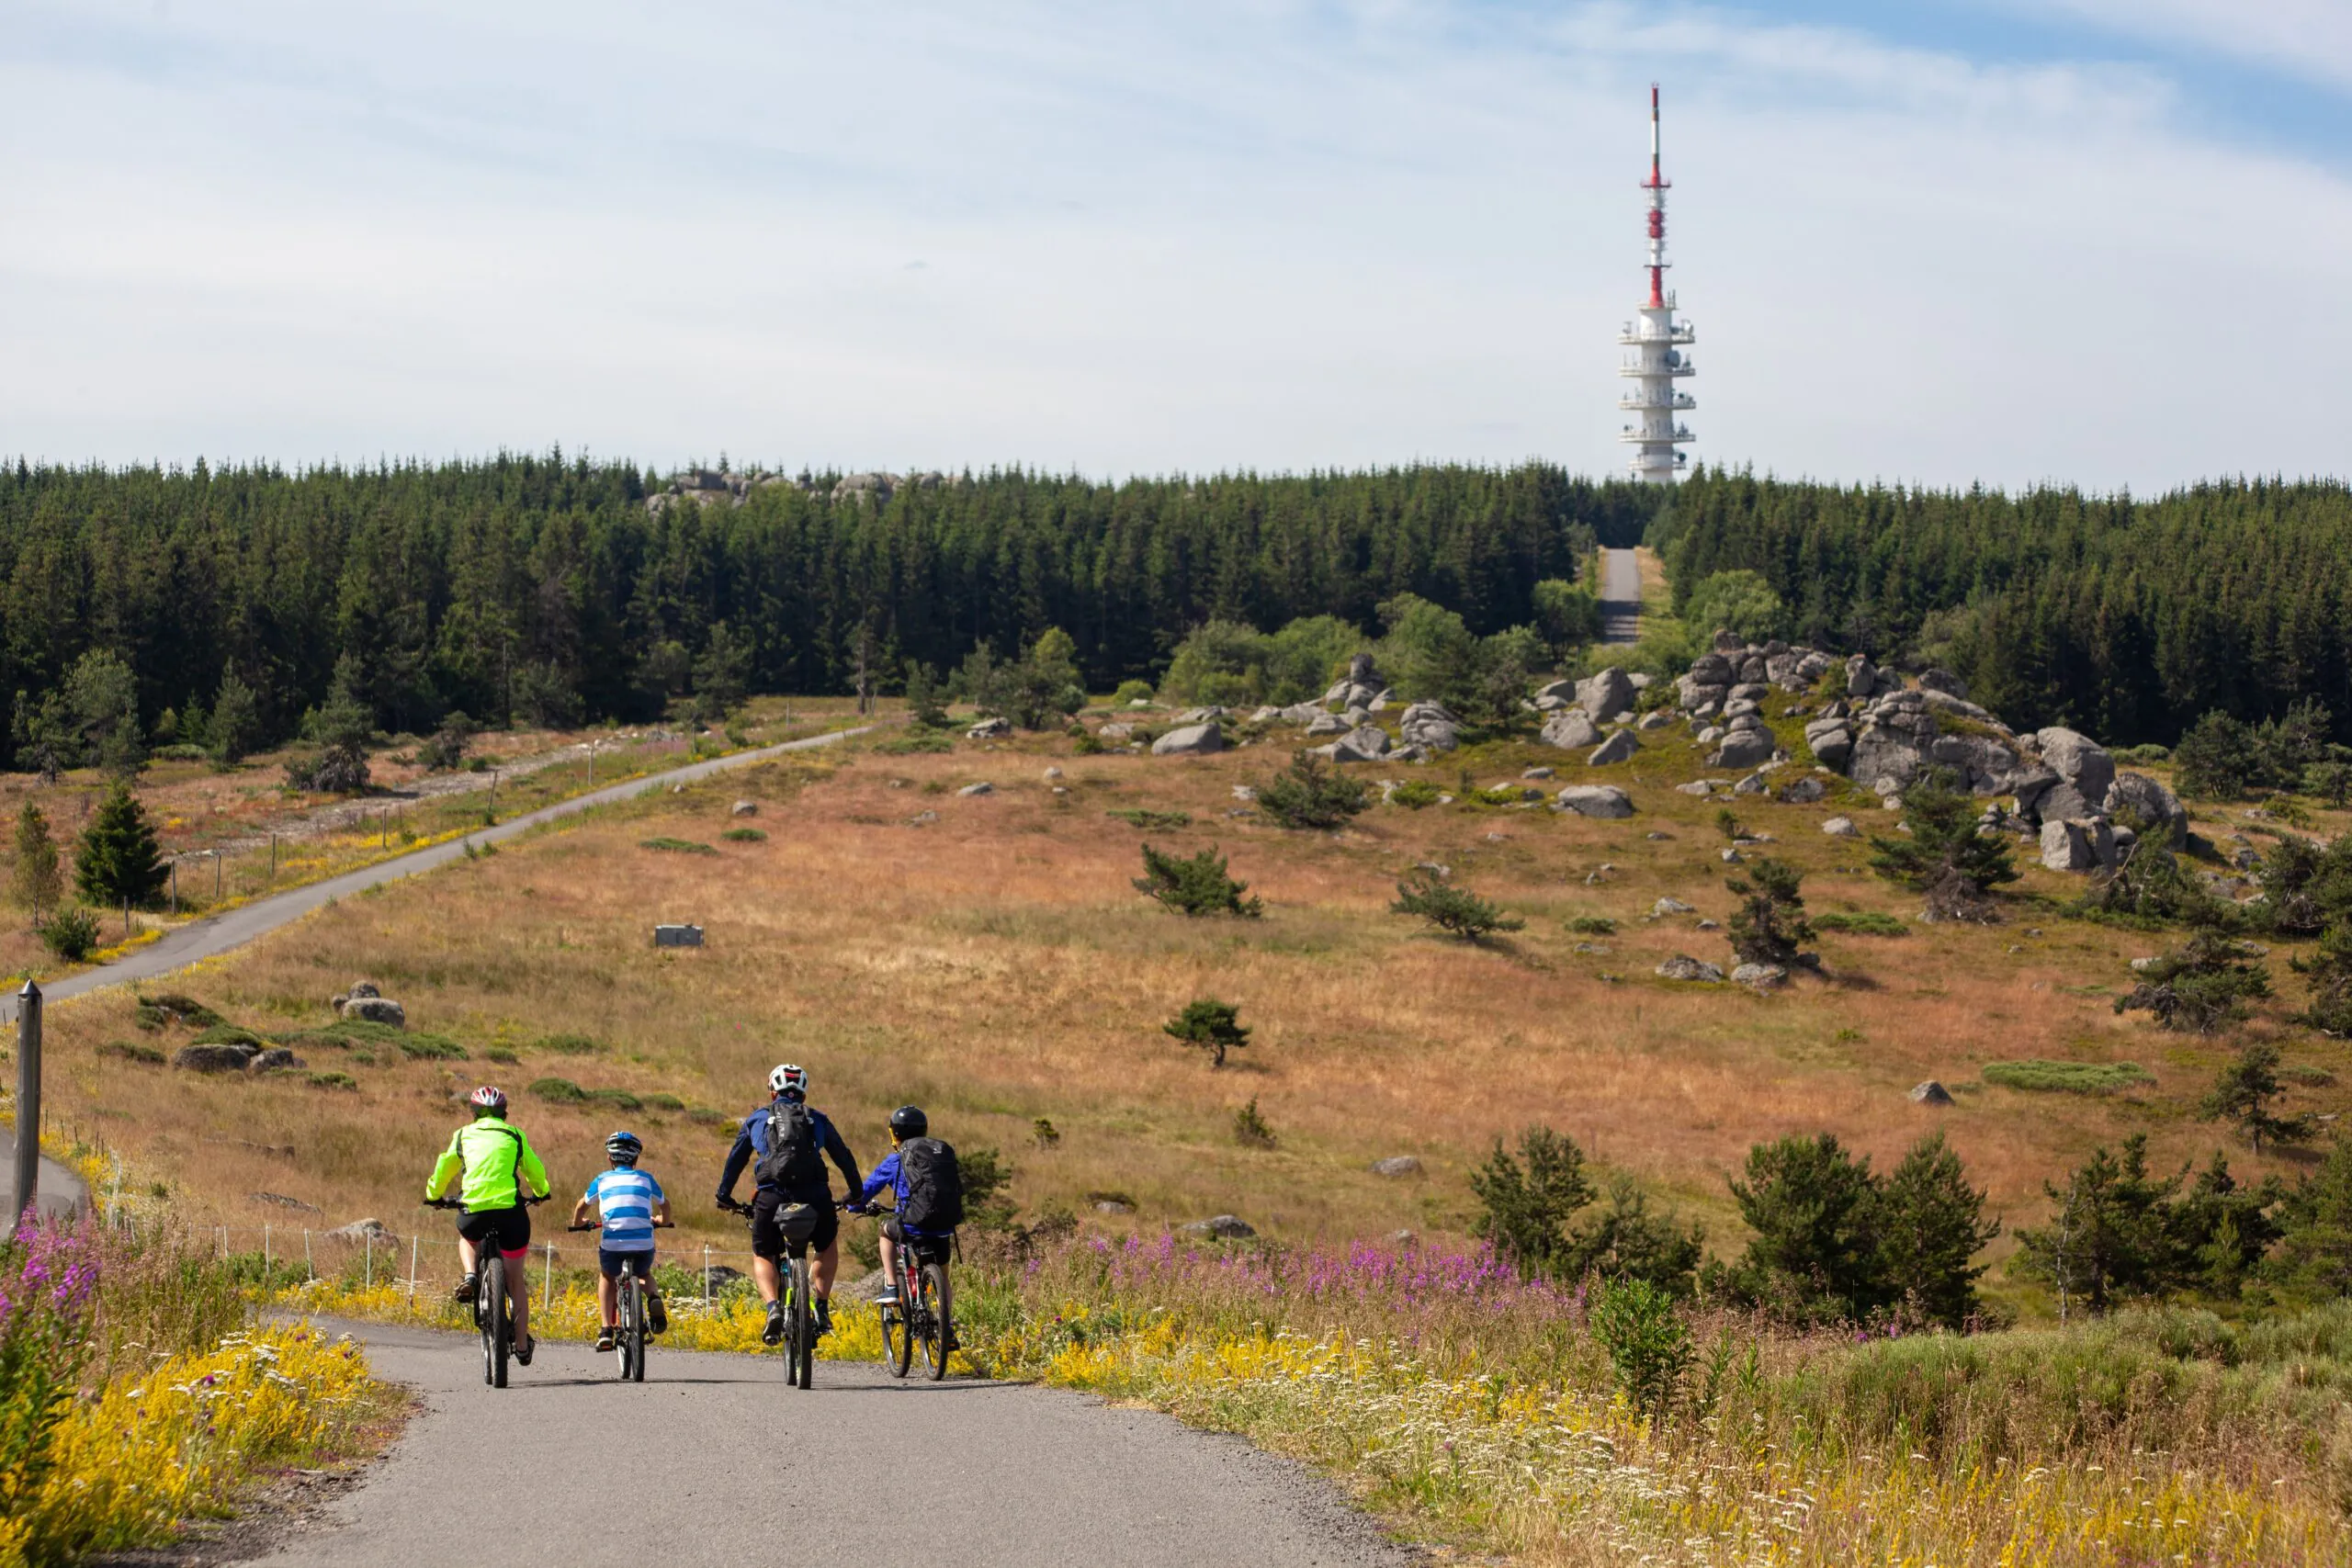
point(797, 1222)
point(629, 1329)
point(493, 1302)
point(916, 1321)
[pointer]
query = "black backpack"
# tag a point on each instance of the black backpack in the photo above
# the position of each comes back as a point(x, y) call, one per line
point(934, 1200)
point(795, 1161)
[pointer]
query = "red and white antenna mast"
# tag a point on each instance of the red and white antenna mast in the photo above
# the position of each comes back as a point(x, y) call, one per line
point(1658, 340)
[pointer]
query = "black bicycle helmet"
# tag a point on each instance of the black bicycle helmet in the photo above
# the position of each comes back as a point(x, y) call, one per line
point(908, 1122)
point(622, 1149)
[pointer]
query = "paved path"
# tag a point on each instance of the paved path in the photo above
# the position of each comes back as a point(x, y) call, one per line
point(60, 1188)
point(1620, 596)
point(715, 1460)
point(59, 1192)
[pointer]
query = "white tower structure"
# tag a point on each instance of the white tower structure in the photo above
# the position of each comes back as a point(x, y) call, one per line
point(1657, 361)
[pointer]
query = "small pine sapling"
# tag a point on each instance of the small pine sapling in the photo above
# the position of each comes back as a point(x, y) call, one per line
point(1769, 925)
point(2242, 1094)
point(1210, 1025)
point(1195, 885)
point(1454, 909)
point(118, 860)
point(1311, 793)
point(1251, 1129)
point(2199, 987)
point(1945, 857)
point(36, 881)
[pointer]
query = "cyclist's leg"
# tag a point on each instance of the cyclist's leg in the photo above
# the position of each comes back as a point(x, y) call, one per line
point(889, 1259)
point(825, 1260)
point(513, 1239)
point(657, 1316)
point(470, 1256)
point(608, 1273)
point(767, 1251)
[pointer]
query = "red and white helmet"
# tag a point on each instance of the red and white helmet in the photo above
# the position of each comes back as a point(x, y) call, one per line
point(489, 1097)
point(790, 1078)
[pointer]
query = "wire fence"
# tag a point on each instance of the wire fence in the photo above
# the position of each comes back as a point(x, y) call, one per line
point(416, 1262)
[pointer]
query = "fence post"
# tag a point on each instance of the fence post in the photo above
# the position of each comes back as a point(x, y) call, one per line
point(217, 858)
point(411, 1274)
point(273, 858)
point(370, 1277)
point(309, 1270)
point(224, 1244)
point(265, 1254)
point(28, 1173)
point(706, 1273)
point(546, 1278)
point(175, 884)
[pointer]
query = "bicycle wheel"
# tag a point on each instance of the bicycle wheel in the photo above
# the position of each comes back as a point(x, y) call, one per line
point(803, 1328)
point(621, 1304)
point(635, 1372)
point(898, 1326)
point(497, 1323)
point(934, 1290)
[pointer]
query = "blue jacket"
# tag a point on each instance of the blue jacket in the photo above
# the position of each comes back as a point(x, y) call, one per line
point(892, 1173)
point(751, 1144)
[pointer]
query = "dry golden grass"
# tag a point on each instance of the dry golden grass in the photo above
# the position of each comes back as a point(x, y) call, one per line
point(995, 966)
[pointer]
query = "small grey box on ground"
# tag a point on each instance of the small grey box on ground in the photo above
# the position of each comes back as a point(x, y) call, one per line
point(677, 936)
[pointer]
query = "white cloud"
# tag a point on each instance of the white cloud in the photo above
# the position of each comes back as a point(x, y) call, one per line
point(2311, 39)
point(1278, 238)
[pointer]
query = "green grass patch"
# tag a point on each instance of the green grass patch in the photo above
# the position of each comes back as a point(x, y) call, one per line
point(229, 1034)
point(570, 1044)
point(333, 1080)
point(2069, 1077)
point(678, 846)
point(1861, 924)
point(431, 1048)
point(919, 741)
point(132, 1052)
point(619, 1098)
point(745, 836)
point(1592, 925)
point(558, 1091)
point(664, 1102)
point(1415, 794)
point(179, 1008)
point(1137, 817)
point(502, 1054)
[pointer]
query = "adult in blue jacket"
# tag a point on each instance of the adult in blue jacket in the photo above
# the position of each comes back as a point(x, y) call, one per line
point(788, 1085)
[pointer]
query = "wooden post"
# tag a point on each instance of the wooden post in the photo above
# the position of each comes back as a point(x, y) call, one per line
point(28, 1101)
point(706, 1273)
point(273, 859)
point(265, 1254)
point(309, 1270)
point(411, 1273)
point(216, 876)
point(175, 884)
point(547, 1279)
point(369, 1278)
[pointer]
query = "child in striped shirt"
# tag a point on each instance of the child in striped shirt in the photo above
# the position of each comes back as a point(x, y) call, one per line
point(631, 1203)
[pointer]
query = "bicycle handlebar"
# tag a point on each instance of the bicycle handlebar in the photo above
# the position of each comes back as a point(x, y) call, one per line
point(524, 1198)
point(599, 1224)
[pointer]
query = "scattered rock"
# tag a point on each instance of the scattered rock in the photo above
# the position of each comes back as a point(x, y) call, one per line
point(374, 1009)
point(922, 818)
point(996, 728)
point(1606, 694)
point(1596, 800)
point(1245, 792)
point(745, 808)
point(1224, 1227)
point(214, 1058)
point(1536, 774)
point(1656, 718)
point(362, 988)
point(2152, 803)
point(1619, 747)
point(1571, 729)
point(983, 788)
point(360, 1231)
point(1931, 1093)
point(1682, 966)
point(1053, 773)
point(1804, 792)
point(1190, 740)
point(1327, 724)
point(274, 1058)
point(1430, 726)
point(1743, 749)
point(1397, 1165)
point(1759, 976)
point(1702, 788)
point(281, 1201)
point(1112, 1206)
point(1841, 827)
point(1670, 907)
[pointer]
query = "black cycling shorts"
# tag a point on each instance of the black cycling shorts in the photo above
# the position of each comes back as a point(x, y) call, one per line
point(511, 1227)
point(767, 1240)
point(928, 1248)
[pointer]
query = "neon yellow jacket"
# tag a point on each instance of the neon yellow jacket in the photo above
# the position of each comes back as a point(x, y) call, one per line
point(491, 1150)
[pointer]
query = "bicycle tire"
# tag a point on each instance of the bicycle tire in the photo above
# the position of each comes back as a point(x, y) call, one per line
point(899, 1325)
point(636, 1329)
point(621, 1325)
point(803, 1325)
point(498, 1328)
point(791, 1339)
point(935, 1281)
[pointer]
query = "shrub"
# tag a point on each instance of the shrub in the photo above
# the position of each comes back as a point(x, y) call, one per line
point(2200, 986)
point(1530, 1208)
point(920, 740)
point(664, 1101)
point(1312, 793)
point(1648, 1345)
point(1430, 897)
point(745, 836)
point(1132, 692)
point(1740, 601)
point(70, 934)
point(677, 846)
point(1250, 1129)
point(1945, 857)
point(558, 1091)
point(2068, 1077)
point(446, 751)
point(570, 1045)
point(1769, 922)
point(1415, 794)
point(35, 882)
point(619, 1098)
point(2242, 1094)
point(229, 1034)
point(923, 705)
point(2330, 970)
point(1083, 742)
point(2151, 888)
point(502, 1054)
point(342, 728)
point(431, 1048)
point(988, 1175)
point(130, 1052)
point(1592, 925)
point(1153, 821)
point(2330, 781)
point(333, 1080)
point(1866, 924)
point(1210, 1025)
point(1044, 1134)
point(181, 1008)
point(1195, 885)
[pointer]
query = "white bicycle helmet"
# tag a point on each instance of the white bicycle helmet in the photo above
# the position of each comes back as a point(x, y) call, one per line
point(789, 1077)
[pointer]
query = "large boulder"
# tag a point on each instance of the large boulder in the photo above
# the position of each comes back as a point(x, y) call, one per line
point(1743, 749)
point(1831, 741)
point(1862, 677)
point(1944, 681)
point(1571, 729)
point(1224, 1227)
point(1682, 966)
point(363, 1231)
point(1429, 725)
point(274, 1058)
point(1327, 724)
point(1366, 743)
point(1606, 694)
point(1711, 669)
point(1301, 713)
point(2079, 845)
point(1190, 740)
point(1619, 748)
point(2079, 759)
point(1596, 800)
point(2157, 807)
point(1759, 976)
point(991, 729)
point(1885, 753)
point(1804, 792)
point(1556, 695)
point(374, 1009)
point(2062, 801)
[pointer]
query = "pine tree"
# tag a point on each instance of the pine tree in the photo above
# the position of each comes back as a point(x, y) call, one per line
point(343, 729)
point(236, 721)
point(1209, 1025)
point(118, 860)
point(35, 882)
point(1815, 1209)
point(1931, 1225)
point(2313, 1261)
point(1945, 857)
point(2242, 1093)
point(923, 705)
point(1769, 923)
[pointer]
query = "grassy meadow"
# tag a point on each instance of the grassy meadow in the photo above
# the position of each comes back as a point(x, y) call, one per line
point(987, 957)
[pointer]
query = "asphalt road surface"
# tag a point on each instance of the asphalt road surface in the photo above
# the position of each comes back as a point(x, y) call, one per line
point(59, 1190)
point(1620, 596)
point(716, 1459)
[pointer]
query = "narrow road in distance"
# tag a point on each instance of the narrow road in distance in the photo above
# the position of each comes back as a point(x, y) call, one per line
point(715, 1460)
point(1620, 596)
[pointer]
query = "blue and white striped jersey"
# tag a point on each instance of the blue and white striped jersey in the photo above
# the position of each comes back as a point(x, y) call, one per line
point(625, 1198)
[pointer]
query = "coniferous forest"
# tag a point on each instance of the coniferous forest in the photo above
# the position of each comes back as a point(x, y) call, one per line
point(545, 587)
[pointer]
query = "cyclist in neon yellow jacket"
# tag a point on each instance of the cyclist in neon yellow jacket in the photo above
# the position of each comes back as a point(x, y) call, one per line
point(492, 1153)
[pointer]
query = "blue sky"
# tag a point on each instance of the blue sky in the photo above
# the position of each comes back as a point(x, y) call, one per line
point(2104, 242)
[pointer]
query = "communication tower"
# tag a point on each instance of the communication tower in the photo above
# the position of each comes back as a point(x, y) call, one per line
point(1657, 361)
